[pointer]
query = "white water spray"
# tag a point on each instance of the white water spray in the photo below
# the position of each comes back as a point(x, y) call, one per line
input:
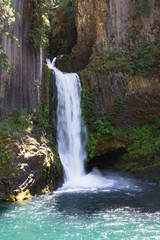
point(69, 125)
point(71, 147)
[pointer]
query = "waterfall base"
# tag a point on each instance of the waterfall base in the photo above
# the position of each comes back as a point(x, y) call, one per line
point(95, 181)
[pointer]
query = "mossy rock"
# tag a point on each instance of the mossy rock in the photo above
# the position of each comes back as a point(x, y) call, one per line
point(109, 143)
point(27, 167)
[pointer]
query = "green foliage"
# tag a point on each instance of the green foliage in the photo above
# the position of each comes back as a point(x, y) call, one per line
point(143, 7)
point(98, 124)
point(143, 154)
point(66, 9)
point(41, 11)
point(41, 118)
point(4, 157)
point(64, 29)
point(22, 121)
point(4, 61)
point(65, 5)
point(15, 124)
point(104, 128)
point(88, 104)
point(44, 14)
point(138, 61)
point(119, 109)
point(4, 131)
point(133, 33)
point(7, 17)
point(46, 86)
point(92, 143)
point(140, 135)
point(141, 60)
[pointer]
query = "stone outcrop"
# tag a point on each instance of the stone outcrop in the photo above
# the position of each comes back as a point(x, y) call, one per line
point(27, 168)
point(21, 89)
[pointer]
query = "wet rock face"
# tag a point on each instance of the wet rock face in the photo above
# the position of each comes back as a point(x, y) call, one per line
point(21, 89)
point(27, 168)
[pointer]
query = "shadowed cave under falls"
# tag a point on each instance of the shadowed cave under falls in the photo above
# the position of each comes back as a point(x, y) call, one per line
point(88, 205)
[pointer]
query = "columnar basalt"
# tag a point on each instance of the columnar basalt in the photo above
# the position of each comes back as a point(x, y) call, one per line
point(106, 24)
point(21, 89)
point(107, 28)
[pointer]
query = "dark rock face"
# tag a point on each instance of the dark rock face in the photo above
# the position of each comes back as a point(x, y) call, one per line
point(141, 95)
point(63, 35)
point(21, 89)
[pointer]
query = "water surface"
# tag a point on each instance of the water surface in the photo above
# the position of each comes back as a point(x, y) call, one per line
point(130, 210)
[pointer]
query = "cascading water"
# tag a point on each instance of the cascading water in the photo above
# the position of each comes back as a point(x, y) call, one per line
point(69, 125)
point(70, 147)
point(69, 130)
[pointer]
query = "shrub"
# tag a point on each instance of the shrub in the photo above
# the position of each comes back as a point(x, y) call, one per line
point(143, 7)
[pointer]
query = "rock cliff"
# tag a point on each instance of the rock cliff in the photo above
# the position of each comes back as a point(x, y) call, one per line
point(117, 56)
point(116, 39)
point(21, 89)
point(102, 25)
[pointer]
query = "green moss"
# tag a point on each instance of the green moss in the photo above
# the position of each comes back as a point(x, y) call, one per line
point(143, 154)
point(46, 86)
point(58, 169)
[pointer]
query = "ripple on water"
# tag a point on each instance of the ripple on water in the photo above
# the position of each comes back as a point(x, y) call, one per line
point(116, 213)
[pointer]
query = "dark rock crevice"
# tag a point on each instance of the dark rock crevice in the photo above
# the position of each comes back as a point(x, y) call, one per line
point(105, 162)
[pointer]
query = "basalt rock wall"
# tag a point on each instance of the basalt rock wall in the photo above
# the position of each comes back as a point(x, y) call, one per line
point(106, 25)
point(21, 89)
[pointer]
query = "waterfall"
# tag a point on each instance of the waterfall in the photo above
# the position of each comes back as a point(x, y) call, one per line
point(69, 132)
point(71, 148)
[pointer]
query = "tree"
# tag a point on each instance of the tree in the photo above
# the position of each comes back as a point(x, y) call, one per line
point(7, 18)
